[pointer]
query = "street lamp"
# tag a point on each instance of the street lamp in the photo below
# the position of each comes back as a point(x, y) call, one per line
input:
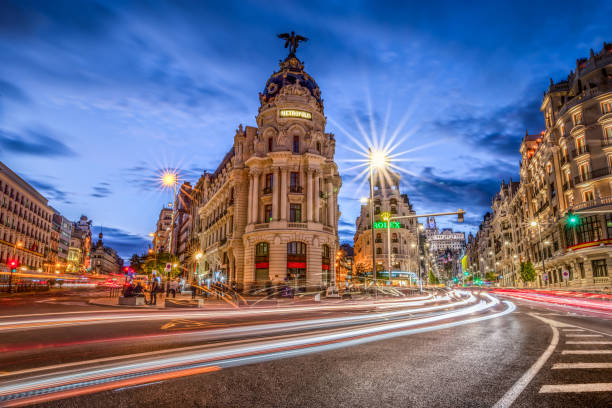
point(169, 179)
point(377, 160)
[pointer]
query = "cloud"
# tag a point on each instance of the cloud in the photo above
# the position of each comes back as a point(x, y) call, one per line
point(10, 91)
point(50, 191)
point(101, 190)
point(497, 132)
point(34, 143)
point(124, 242)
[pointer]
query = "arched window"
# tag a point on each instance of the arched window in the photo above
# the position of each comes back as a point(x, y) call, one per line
point(325, 264)
point(296, 264)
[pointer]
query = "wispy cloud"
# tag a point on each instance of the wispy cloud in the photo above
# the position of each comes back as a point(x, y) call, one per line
point(34, 143)
point(101, 190)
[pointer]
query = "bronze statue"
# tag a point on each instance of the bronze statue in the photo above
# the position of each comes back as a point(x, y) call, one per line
point(292, 41)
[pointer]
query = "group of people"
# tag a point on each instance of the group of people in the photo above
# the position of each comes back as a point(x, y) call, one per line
point(170, 286)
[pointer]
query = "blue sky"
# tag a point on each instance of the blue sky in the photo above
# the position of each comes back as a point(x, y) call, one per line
point(95, 97)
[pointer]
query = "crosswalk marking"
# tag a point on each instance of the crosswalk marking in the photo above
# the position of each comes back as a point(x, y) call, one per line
point(586, 352)
point(584, 335)
point(571, 366)
point(594, 387)
point(588, 342)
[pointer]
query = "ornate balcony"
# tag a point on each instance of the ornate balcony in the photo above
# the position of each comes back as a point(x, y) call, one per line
point(296, 189)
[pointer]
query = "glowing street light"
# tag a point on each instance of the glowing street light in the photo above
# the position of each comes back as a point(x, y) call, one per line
point(169, 178)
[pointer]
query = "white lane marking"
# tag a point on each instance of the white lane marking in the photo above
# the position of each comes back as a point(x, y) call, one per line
point(518, 387)
point(586, 352)
point(571, 366)
point(584, 335)
point(594, 331)
point(572, 330)
point(594, 387)
point(588, 342)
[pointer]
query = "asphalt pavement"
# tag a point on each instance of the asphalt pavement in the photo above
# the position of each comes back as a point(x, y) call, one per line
point(429, 354)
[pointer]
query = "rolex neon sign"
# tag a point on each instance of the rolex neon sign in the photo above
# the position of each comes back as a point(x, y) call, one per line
point(292, 113)
point(383, 224)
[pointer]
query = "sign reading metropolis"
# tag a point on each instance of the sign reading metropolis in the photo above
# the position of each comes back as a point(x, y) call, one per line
point(383, 224)
point(292, 113)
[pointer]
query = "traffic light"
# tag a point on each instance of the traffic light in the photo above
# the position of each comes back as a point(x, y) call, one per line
point(14, 264)
point(572, 219)
point(460, 214)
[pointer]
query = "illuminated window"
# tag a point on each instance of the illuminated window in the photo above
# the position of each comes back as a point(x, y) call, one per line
point(606, 107)
point(608, 135)
point(588, 195)
point(580, 146)
point(577, 118)
point(600, 269)
point(584, 172)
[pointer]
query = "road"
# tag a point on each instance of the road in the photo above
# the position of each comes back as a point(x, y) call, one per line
point(459, 349)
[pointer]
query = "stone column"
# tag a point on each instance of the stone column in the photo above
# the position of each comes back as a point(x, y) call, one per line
point(317, 200)
point(330, 204)
point(309, 195)
point(250, 200)
point(275, 191)
point(255, 215)
point(283, 197)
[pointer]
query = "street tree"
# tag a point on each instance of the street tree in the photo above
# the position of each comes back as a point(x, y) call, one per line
point(136, 263)
point(527, 271)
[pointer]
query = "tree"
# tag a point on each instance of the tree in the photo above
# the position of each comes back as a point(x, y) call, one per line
point(136, 263)
point(527, 272)
point(433, 279)
point(158, 261)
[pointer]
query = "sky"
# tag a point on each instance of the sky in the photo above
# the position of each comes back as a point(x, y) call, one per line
point(97, 97)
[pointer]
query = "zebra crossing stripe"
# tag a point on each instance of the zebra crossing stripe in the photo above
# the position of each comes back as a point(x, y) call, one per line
point(572, 366)
point(588, 342)
point(594, 387)
point(586, 352)
point(584, 335)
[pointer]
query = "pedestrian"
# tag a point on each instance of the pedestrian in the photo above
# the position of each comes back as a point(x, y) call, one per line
point(173, 286)
point(154, 289)
point(194, 288)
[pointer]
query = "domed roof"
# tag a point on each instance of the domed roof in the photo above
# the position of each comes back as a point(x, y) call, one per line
point(291, 73)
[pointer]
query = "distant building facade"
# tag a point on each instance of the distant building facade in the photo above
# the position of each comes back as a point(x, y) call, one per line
point(104, 260)
point(161, 239)
point(25, 221)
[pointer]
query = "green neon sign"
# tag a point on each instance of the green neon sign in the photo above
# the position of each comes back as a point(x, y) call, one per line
point(383, 224)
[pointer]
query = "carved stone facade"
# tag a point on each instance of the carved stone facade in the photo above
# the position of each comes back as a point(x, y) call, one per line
point(269, 213)
point(565, 169)
point(403, 245)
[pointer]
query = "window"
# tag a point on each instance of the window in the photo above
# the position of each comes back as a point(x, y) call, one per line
point(577, 118)
point(269, 144)
point(600, 269)
point(606, 107)
point(269, 183)
point(609, 224)
point(295, 212)
point(268, 213)
point(296, 144)
point(580, 146)
point(589, 229)
point(294, 182)
point(607, 135)
point(395, 250)
point(581, 268)
point(588, 195)
point(296, 248)
point(318, 147)
point(584, 172)
point(378, 251)
point(261, 249)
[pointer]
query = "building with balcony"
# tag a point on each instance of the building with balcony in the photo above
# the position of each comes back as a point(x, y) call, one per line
point(104, 260)
point(269, 214)
point(565, 169)
point(403, 245)
point(161, 236)
point(25, 221)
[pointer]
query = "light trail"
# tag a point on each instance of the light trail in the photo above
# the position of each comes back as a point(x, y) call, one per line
point(225, 356)
point(31, 324)
point(555, 299)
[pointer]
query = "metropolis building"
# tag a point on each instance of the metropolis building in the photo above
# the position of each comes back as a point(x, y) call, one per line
point(269, 213)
